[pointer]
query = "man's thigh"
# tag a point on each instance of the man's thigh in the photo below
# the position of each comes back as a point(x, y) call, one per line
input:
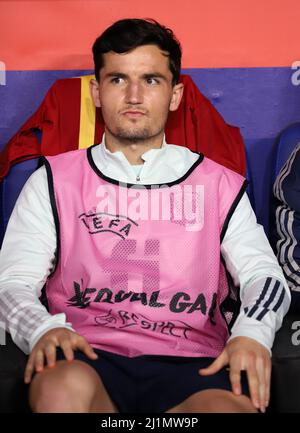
point(69, 386)
point(171, 380)
point(214, 401)
point(154, 383)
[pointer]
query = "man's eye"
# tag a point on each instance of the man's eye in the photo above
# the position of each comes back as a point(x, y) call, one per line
point(152, 80)
point(117, 80)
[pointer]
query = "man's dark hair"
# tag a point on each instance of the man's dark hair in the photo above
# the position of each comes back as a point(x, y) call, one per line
point(128, 34)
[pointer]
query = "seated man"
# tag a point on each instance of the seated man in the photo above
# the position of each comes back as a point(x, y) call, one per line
point(128, 236)
point(287, 231)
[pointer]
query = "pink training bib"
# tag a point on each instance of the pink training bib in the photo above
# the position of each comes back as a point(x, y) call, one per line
point(139, 269)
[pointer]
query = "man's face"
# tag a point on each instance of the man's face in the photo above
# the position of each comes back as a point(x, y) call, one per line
point(135, 93)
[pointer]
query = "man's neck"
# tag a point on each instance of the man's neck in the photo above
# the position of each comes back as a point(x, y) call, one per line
point(132, 150)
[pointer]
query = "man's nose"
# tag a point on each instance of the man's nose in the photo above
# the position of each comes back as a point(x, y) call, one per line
point(134, 93)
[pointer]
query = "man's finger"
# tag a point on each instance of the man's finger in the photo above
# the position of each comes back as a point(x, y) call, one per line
point(50, 353)
point(235, 378)
point(268, 368)
point(39, 360)
point(29, 369)
point(218, 363)
point(260, 368)
point(66, 347)
point(83, 345)
point(253, 382)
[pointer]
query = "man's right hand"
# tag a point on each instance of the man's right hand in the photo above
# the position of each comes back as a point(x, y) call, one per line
point(45, 350)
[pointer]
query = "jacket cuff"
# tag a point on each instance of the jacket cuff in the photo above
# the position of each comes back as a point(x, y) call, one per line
point(56, 321)
point(251, 328)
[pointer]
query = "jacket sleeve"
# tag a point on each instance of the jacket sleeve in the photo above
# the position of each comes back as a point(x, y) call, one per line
point(27, 257)
point(287, 194)
point(264, 293)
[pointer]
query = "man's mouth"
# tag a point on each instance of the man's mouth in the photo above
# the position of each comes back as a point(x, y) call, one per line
point(133, 113)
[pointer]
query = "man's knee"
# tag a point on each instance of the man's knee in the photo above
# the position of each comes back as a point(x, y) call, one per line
point(215, 401)
point(221, 401)
point(67, 387)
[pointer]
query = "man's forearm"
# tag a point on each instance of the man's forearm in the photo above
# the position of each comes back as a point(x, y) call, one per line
point(25, 318)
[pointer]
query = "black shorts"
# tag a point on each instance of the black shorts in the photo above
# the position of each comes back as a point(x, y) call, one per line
point(154, 383)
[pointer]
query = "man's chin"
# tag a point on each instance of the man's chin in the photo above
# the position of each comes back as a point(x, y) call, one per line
point(133, 136)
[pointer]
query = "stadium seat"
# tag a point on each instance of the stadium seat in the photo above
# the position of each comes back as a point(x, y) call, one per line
point(10, 189)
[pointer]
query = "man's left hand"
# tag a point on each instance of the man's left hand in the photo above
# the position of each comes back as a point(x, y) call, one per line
point(243, 353)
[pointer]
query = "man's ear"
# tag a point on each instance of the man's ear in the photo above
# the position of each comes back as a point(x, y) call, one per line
point(94, 89)
point(176, 96)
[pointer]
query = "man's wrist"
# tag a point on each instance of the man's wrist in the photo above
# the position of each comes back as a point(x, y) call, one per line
point(57, 321)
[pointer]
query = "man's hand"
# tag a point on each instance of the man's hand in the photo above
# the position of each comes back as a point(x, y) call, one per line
point(243, 353)
point(45, 349)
